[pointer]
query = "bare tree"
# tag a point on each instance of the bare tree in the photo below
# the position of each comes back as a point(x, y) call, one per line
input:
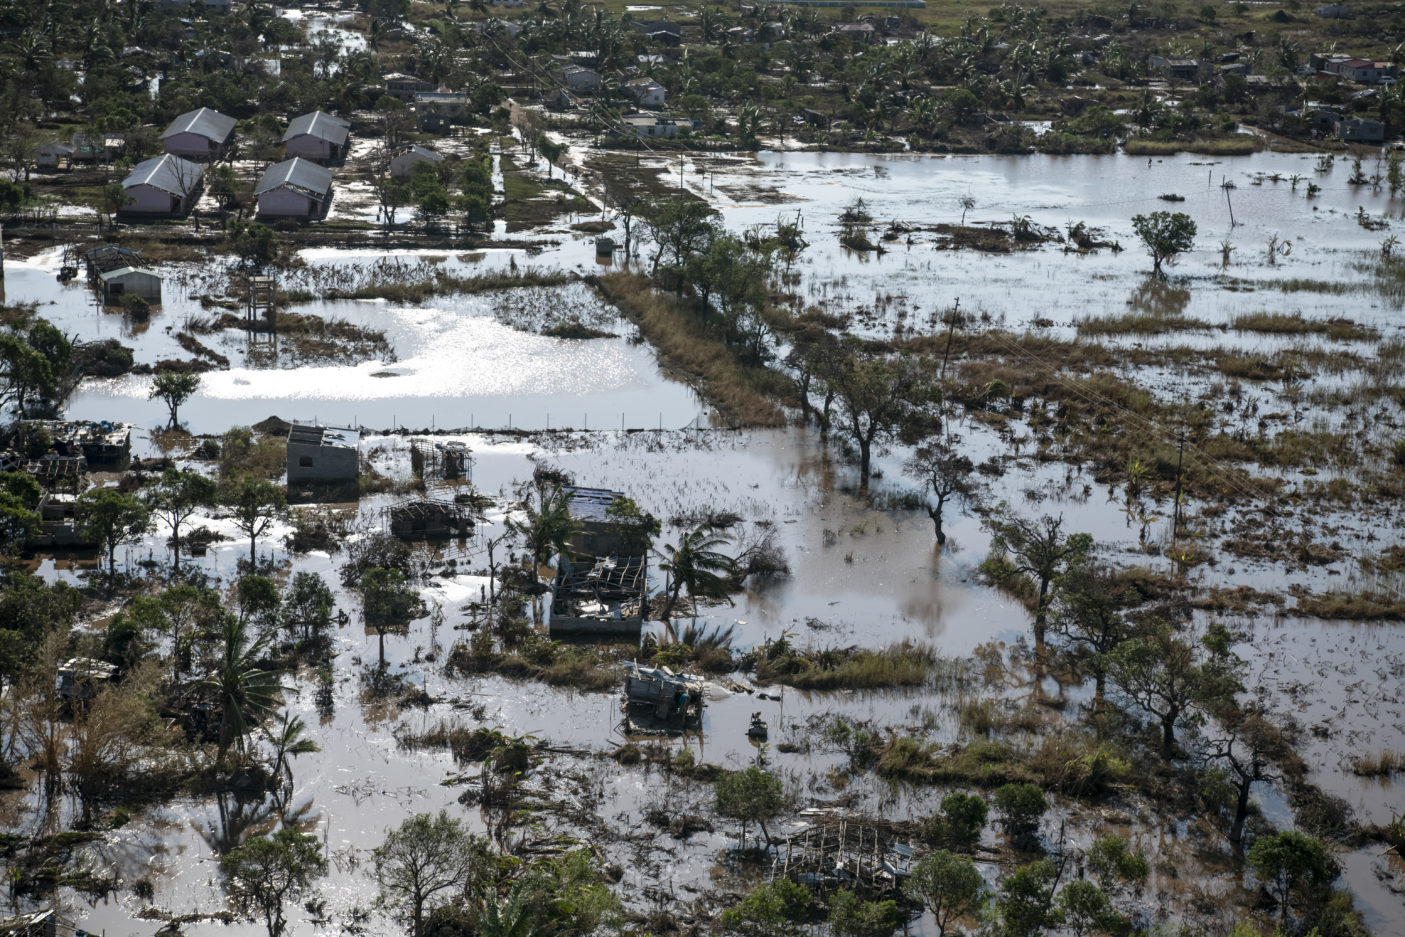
point(946, 473)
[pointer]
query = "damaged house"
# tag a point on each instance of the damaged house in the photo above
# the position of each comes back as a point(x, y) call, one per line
point(323, 455)
point(601, 590)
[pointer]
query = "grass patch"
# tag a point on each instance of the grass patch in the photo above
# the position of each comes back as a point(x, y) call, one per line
point(530, 201)
point(437, 284)
point(742, 394)
point(1238, 144)
point(1378, 766)
point(1282, 323)
point(1357, 606)
point(1138, 323)
point(575, 329)
point(898, 665)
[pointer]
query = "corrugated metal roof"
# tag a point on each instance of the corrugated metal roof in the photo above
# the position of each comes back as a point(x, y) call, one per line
point(307, 434)
point(212, 125)
point(320, 125)
point(297, 173)
point(167, 173)
point(423, 152)
point(123, 271)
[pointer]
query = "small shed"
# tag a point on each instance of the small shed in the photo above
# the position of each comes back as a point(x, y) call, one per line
point(579, 78)
point(403, 163)
point(294, 188)
point(201, 133)
point(54, 155)
point(130, 281)
point(317, 136)
point(162, 186)
point(662, 696)
point(322, 454)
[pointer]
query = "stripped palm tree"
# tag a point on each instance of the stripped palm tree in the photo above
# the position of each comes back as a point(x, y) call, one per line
point(511, 917)
point(289, 740)
point(696, 564)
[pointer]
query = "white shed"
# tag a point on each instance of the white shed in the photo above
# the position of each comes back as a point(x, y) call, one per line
point(130, 281)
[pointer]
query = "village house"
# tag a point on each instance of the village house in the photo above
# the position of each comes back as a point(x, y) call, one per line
point(1189, 71)
point(317, 136)
point(660, 31)
point(1361, 130)
point(403, 163)
point(858, 32)
point(405, 87)
point(437, 111)
point(645, 91)
point(322, 454)
point(166, 186)
point(294, 188)
point(579, 78)
point(647, 126)
point(200, 134)
point(104, 148)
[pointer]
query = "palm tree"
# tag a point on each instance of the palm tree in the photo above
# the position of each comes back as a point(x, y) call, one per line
point(244, 687)
point(288, 741)
point(510, 918)
point(695, 564)
point(547, 529)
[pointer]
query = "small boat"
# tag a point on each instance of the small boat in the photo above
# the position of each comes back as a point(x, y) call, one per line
point(758, 728)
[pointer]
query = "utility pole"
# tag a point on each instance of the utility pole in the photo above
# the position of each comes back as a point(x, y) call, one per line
point(950, 332)
point(1224, 184)
point(1176, 516)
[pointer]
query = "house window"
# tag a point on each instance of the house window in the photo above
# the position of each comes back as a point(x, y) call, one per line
point(305, 461)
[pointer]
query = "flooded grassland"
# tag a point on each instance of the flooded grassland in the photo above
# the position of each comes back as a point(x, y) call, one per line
point(1294, 367)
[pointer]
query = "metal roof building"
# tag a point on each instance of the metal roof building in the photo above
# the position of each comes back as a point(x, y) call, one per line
point(201, 132)
point(162, 185)
point(318, 135)
point(294, 188)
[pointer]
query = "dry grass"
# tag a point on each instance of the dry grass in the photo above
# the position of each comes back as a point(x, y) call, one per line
point(743, 395)
point(1383, 765)
point(1279, 323)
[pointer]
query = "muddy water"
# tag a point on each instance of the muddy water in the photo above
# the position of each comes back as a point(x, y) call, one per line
point(859, 576)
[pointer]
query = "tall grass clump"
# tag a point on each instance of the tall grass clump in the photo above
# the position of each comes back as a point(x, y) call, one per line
point(898, 665)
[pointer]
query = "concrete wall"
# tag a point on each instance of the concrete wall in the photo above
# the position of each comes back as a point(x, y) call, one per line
point(320, 464)
point(309, 147)
point(189, 144)
point(149, 200)
point(285, 203)
point(562, 627)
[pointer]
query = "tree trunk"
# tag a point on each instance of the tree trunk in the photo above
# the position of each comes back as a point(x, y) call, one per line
point(253, 546)
point(1241, 812)
point(380, 639)
point(176, 541)
point(1168, 734)
point(865, 462)
point(936, 515)
point(1041, 622)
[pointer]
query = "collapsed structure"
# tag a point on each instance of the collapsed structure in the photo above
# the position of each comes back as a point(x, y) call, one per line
point(656, 698)
point(601, 588)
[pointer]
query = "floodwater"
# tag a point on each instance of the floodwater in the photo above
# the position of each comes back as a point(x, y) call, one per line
point(859, 575)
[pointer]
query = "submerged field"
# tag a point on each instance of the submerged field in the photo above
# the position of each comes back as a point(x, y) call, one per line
point(1288, 371)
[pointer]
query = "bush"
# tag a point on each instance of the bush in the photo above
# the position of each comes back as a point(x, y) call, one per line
point(1021, 806)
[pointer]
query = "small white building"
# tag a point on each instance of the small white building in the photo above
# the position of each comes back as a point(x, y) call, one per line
point(130, 281)
point(403, 163)
point(164, 186)
point(579, 78)
point(649, 127)
point(54, 155)
point(317, 136)
point(200, 134)
point(645, 91)
point(294, 188)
